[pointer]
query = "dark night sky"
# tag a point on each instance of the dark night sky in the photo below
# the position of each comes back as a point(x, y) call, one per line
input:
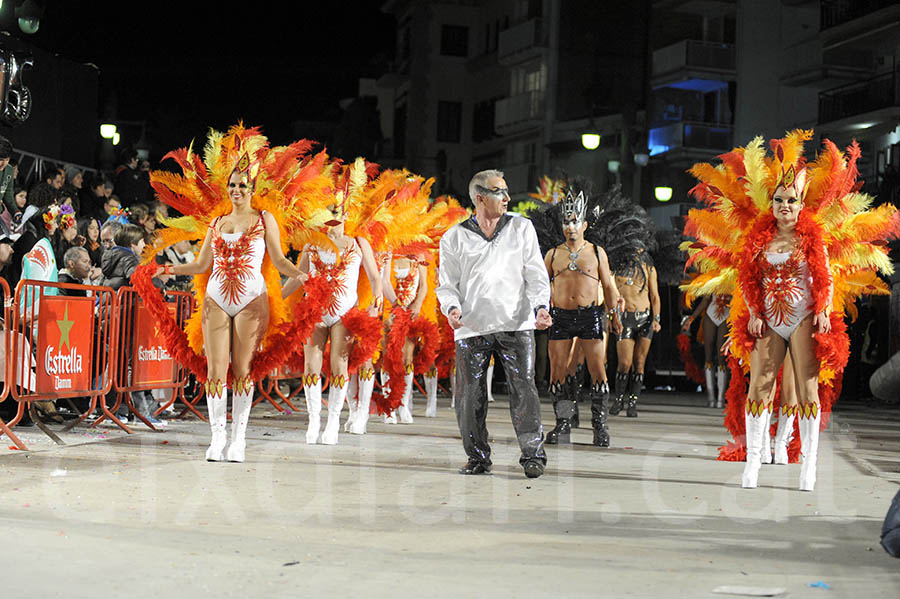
point(185, 69)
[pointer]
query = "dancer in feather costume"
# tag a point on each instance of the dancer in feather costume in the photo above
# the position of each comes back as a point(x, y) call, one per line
point(795, 243)
point(413, 338)
point(242, 199)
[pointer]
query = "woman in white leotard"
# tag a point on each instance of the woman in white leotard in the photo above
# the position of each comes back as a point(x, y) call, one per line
point(408, 289)
point(715, 311)
point(344, 272)
point(777, 275)
point(236, 308)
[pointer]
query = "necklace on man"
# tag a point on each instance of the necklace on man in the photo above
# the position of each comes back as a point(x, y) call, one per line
point(573, 257)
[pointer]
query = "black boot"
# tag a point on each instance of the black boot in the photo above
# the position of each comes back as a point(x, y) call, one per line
point(563, 409)
point(599, 410)
point(634, 391)
point(621, 387)
point(575, 386)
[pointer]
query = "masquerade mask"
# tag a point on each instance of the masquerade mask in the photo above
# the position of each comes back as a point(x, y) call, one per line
point(573, 208)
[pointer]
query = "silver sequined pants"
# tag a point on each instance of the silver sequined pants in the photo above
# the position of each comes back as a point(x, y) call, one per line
point(515, 351)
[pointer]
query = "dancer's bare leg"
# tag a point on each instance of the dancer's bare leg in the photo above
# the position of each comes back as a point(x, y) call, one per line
point(312, 380)
point(247, 329)
point(788, 412)
point(337, 391)
point(765, 360)
point(404, 412)
point(710, 352)
point(216, 325)
point(806, 377)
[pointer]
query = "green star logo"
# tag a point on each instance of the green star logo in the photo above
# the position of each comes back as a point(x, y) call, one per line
point(65, 326)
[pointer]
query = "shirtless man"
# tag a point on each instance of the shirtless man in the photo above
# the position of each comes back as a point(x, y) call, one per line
point(575, 268)
point(641, 319)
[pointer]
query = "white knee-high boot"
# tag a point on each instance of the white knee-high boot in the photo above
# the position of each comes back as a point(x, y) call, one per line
point(721, 377)
point(490, 380)
point(352, 403)
point(241, 402)
point(336, 394)
point(756, 418)
point(431, 384)
point(312, 389)
point(386, 390)
point(404, 412)
point(810, 418)
point(710, 387)
point(217, 407)
point(765, 450)
point(784, 433)
point(366, 387)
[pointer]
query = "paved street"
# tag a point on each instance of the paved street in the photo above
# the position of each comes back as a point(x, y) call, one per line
point(386, 514)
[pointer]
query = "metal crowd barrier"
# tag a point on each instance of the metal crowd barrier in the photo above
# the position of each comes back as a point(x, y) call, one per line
point(269, 387)
point(6, 429)
point(141, 362)
point(63, 341)
point(60, 339)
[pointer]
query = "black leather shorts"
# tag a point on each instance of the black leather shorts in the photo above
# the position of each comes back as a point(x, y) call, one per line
point(585, 323)
point(637, 324)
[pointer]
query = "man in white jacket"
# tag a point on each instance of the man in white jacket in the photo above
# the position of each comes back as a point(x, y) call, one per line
point(494, 290)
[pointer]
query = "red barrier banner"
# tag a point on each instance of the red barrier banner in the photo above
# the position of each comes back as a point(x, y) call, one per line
point(65, 328)
point(151, 363)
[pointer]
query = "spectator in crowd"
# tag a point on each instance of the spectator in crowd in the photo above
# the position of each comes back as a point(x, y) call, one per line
point(119, 263)
point(6, 256)
point(108, 232)
point(68, 195)
point(7, 180)
point(74, 177)
point(67, 235)
point(180, 253)
point(20, 194)
point(142, 216)
point(43, 194)
point(77, 270)
point(89, 228)
point(132, 185)
point(112, 207)
point(93, 196)
point(40, 264)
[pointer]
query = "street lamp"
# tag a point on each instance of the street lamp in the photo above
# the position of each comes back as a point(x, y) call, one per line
point(107, 131)
point(116, 138)
point(590, 141)
point(662, 193)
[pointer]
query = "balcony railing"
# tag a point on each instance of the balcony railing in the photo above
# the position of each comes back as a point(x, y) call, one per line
point(807, 62)
point(520, 40)
point(523, 110)
point(694, 54)
point(838, 12)
point(692, 135)
point(859, 98)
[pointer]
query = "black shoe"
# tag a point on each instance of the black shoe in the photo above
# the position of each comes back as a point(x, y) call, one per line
point(617, 405)
point(601, 437)
point(474, 467)
point(533, 468)
point(562, 433)
point(631, 411)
